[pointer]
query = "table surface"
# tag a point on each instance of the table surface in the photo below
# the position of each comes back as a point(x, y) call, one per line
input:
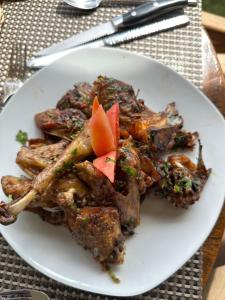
point(214, 88)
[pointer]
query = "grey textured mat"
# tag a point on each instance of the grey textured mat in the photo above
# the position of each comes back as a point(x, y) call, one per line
point(39, 23)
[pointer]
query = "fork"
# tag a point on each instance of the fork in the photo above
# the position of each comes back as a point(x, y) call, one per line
point(17, 71)
point(23, 295)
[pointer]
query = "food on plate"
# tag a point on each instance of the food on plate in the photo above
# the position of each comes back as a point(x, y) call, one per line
point(102, 150)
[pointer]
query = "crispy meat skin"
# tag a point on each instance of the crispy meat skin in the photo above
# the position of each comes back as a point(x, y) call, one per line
point(61, 123)
point(181, 180)
point(34, 159)
point(16, 187)
point(103, 193)
point(98, 230)
point(79, 98)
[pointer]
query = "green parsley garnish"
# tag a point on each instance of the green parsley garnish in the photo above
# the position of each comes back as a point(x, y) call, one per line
point(109, 159)
point(74, 152)
point(129, 170)
point(176, 188)
point(10, 198)
point(22, 137)
point(85, 220)
point(186, 183)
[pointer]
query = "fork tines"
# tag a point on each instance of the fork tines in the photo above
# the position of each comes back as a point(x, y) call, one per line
point(17, 65)
point(16, 295)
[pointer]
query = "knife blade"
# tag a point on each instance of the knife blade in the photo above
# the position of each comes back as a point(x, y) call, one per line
point(150, 10)
point(173, 20)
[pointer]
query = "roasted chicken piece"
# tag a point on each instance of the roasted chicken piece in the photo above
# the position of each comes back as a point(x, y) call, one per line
point(79, 98)
point(181, 180)
point(61, 123)
point(162, 131)
point(15, 187)
point(49, 205)
point(77, 150)
point(102, 193)
point(98, 230)
point(109, 91)
point(34, 159)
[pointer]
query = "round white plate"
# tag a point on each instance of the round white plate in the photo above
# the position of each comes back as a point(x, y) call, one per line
point(167, 237)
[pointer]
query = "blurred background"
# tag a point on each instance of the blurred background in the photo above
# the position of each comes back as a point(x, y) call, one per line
point(214, 6)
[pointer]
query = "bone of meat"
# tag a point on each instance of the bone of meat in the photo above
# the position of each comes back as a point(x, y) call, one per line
point(77, 150)
point(98, 230)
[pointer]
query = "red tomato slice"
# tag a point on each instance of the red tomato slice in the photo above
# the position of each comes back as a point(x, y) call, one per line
point(102, 139)
point(107, 164)
point(95, 105)
point(113, 117)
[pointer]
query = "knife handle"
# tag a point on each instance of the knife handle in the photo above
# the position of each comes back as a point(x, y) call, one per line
point(150, 10)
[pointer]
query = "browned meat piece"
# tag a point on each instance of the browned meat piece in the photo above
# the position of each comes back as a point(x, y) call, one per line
point(33, 160)
point(61, 123)
point(130, 164)
point(79, 98)
point(181, 180)
point(162, 131)
point(109, 91)
point(49, 205)
point(101, 189)
point(98, 230)
point(102, 193)
point(16, 187)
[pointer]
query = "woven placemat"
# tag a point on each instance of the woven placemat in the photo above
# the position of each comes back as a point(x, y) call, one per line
point(39, 23)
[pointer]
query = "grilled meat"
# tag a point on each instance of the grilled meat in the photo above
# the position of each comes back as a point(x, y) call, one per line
point(98, 230)
point(61, 123)
point(182, 181)
point(16, 187)
point(102, 193)
point(34, 159)
point(79, 98)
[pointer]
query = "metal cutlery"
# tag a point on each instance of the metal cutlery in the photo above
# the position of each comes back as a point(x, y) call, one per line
point(16, 74)
point(23, 295)
point(139, 14)
point(170, 21)
point(84, 4)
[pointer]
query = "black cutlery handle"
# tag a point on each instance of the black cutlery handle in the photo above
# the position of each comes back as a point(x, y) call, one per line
point(151, 9)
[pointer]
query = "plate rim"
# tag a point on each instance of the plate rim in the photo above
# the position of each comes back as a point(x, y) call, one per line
point(75, 284)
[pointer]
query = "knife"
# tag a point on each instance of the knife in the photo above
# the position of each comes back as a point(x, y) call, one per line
point(148, 10)
point(172, 20)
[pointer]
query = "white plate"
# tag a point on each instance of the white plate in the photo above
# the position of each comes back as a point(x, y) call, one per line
point(167, 237)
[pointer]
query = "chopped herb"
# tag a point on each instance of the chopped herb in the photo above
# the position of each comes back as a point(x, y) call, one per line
point(128, 170)
point(85, 220)
point(113, 276)
point(57, 171)
point(74, 152)
point(109, 159)
point(10, 198)
point(186, 183)
point(176, 188)
point(78, 123)
point(165, 167)
point(22, 137)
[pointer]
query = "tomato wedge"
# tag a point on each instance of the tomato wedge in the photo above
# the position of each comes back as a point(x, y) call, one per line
point(102, 139)
point(113, 117)
point(107, 164)
point(95, 105)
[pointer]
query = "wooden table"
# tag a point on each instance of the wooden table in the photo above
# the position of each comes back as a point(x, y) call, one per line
point(214, 88)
